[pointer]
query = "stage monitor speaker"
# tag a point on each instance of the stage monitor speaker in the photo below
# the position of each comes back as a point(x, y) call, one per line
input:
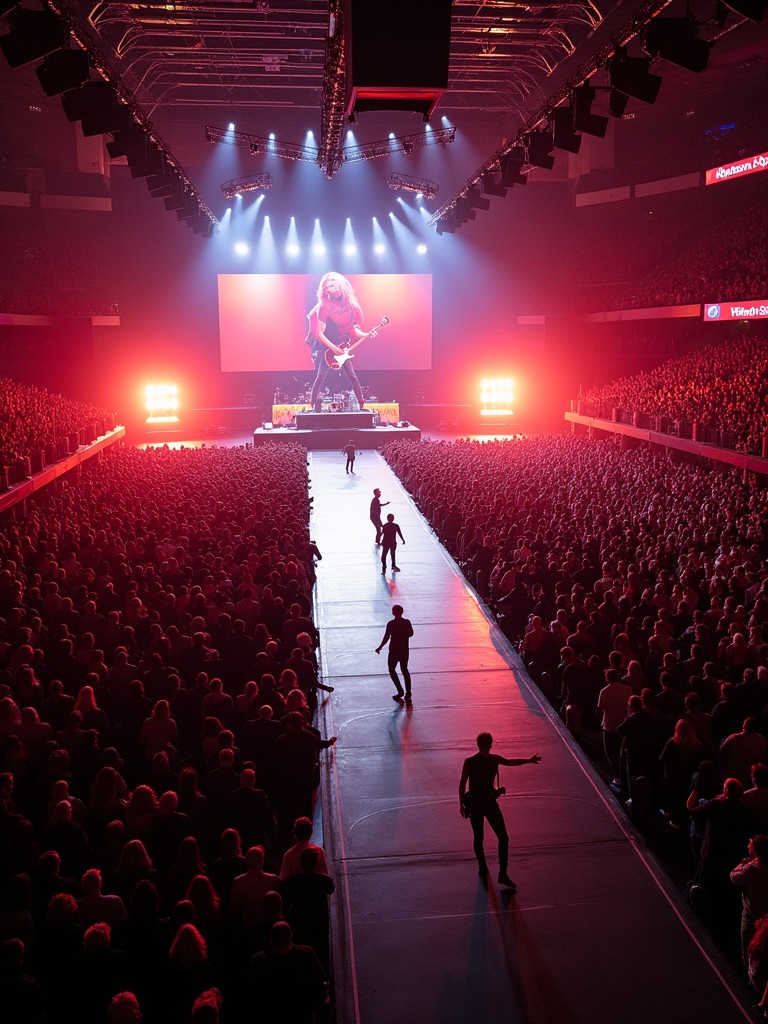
point(753, 10)
point(676, 40)
point(63, 70)
point(396, 54)
point(33, 35)
point(563, 134)
point(631, 76)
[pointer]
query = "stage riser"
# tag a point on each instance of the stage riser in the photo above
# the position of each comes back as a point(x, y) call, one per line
point(330, 440)
point(333, 420)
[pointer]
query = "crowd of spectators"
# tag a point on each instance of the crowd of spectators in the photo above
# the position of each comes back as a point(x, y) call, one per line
point(32, 419)
point(676, 257)
point(66, 254)
point(636, 590)
point(158, 758)
point(722, 386)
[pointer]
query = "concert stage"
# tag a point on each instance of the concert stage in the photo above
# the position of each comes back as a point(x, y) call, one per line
point(328, 431)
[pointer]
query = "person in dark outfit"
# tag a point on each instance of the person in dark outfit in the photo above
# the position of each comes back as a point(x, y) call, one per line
point(478, 800)
point(376, 506)
point(397, 634)
point(350, 452)
point(390, 531)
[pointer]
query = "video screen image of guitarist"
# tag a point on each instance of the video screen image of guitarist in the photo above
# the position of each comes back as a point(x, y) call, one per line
point(335, 332)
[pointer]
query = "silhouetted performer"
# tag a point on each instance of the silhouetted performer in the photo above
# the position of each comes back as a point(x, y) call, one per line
point(478, 800)
point(350, 452)
point(397, 634)
point(376, 506)
point(390, 531)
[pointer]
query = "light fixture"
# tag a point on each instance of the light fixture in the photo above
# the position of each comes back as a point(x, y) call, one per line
point(406, 183)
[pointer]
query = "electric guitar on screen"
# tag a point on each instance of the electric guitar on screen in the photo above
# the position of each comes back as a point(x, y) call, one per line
point(336, 362)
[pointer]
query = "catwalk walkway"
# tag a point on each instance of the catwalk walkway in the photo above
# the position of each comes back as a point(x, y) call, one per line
point(595, 933)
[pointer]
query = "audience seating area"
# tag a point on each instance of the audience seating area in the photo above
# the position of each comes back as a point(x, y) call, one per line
point(157, 755)
point(722, 388)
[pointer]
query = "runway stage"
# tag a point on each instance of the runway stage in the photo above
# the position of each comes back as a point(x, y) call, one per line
point(597, 934)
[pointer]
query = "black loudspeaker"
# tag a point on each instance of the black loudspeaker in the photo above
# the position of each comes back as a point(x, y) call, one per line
point(94, 99)
point(751, 9)
point(631, 76)
point(617, 103)
point(675, 40)
point(583, 118)
point(563, 134)
point(114, 120)
point(34, 34)
point(511, 166)
point(540, 149)
point(126, 140)
point(63, 70)
point(396, 54)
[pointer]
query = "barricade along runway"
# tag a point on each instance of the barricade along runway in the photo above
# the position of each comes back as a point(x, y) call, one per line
point(595, 933)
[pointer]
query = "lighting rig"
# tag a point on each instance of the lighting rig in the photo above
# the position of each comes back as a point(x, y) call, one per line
point(258, 144)
point(254, 183)
point(405, 183)
point(526, 148)
point(107, 106)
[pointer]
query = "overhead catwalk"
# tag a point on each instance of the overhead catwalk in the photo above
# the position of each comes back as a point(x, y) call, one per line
point(595, 932)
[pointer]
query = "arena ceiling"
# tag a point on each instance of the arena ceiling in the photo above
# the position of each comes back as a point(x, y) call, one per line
point(191, 61)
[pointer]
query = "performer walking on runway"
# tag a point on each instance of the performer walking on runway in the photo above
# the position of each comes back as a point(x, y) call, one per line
point(397, 634)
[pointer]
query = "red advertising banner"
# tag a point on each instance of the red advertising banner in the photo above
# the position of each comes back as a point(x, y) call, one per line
point(738, 169)
point(749, 309)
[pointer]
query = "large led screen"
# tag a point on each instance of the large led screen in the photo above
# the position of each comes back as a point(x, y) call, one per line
point(263, 321)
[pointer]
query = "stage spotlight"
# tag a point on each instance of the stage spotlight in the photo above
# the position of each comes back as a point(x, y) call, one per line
point(676, 40)
point(231, 126)
point(33, 35)
point(241, 249)
point(497, 396)
point(563, 134)
point(379, 248)
point(292, 249)
point(318, 250)
point(631, 76)
point(63, 70)
point(162, 403)
point(540, 148)
point(350, 250)
point(583, 118)
point(421, 249)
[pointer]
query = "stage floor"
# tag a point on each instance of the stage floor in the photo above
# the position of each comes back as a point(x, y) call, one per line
point(336, 437)
point(596, 934)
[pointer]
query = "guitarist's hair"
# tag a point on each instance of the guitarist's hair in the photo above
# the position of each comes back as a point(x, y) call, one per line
point(346, 288)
